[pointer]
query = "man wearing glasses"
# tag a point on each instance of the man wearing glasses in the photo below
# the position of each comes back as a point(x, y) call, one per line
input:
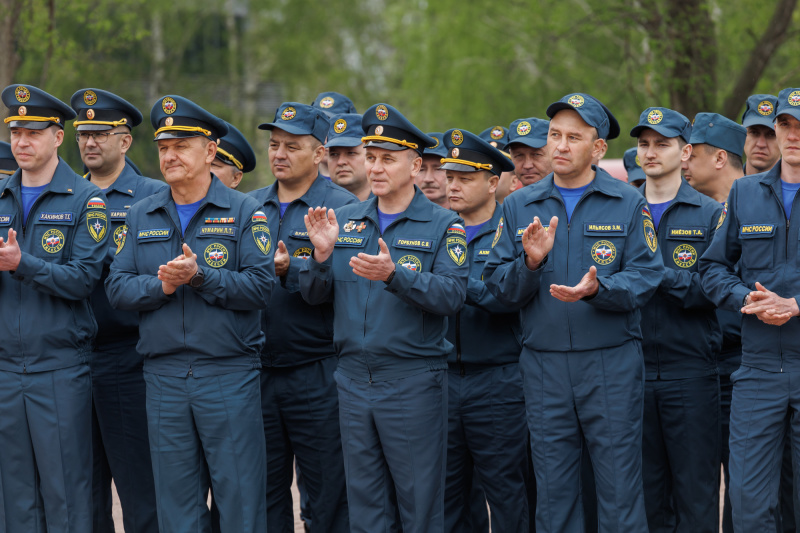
point(119, 421)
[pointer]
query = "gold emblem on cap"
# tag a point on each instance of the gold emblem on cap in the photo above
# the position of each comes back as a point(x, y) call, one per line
point(523, 128)
point(655, 116)
point(169, 105)
point(326, 102)
point(575, 100)
point(794, 98)
point(493, 143)
point(169, 121)
point(765, 108)
point(436, 143)
point(457, 137)
point(381, 112)
point(455, 152)
point(22, 111)
point(379, 130)
point(497, 133)
point(90, 98)
point(289, 113)
point(22, 94)
point(340, 125)
point(90, 114)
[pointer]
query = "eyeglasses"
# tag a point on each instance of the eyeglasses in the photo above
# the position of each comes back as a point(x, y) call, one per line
point(99, 136)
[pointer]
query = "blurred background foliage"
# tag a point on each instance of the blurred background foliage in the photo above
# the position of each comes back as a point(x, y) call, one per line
point(444, 63)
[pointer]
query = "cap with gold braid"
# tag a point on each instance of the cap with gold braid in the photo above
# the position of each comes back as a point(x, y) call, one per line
point(8, 165)
point(175, 117)
point(385, 127)
point(466, 152)
point(234, 150)
point(100, 110)
point(34, 109)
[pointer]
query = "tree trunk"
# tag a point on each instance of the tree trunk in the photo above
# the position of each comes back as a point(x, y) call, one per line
point(10, 11)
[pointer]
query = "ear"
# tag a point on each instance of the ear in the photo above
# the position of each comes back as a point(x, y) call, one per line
point(720, 159)
point(237, 179)
point(319, 153)
point(599, 149)
point(493, 182)
point(59, 137)
point(127, 141)
point(211, 152)
point(416, 166)
point(686, 153)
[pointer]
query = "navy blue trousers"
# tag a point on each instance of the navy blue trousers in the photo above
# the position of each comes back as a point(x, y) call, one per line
point(487, 432)
point(300, 409)
point(394, 438)
point(45, 451)
point(598, 393)
point(681, 455)
point(215, 420)
point(121, 448)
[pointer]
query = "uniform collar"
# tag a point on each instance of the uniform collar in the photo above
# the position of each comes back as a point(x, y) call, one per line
point(63, 181)
point(686, 194)
point(603, 182)
point(420, 208)
point(771, 176)
point(490, 226)
point(125, 182)
point(313, 197)
point(217, 195)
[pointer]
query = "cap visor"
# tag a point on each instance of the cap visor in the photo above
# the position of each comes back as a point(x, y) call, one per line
point(532, 142)
point(458, 167)
point(178, 135)
point(347, 142)
point(386, 146)
point(32, 125)
point(93, 127)
point(759, 121)
point(661, 130)
point(285, 127)
point(556, 107)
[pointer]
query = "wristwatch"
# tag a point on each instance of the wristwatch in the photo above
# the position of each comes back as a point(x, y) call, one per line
point(391, 277)
point(198, 278)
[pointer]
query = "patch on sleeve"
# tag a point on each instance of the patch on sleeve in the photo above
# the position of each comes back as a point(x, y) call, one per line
point(119, 237)
point(646, 212)
point(262, 237)
point(722, 215)
point(97, 223)
point(456, 243)
point(259, 217)
point(498, 233)
point(96, 203)
point(650, 235)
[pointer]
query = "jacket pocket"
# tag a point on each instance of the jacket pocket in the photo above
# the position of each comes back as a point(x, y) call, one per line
point(758, 246)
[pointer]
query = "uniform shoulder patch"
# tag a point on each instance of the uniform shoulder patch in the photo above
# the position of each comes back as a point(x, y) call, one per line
point(262, 237)
point(120, 235)
point(97, 223)
point(722, 215)
point(259, 216)
point(646, 212)
point(650, 235)
point(96, 203)
point(456, 243)
point(498, 232)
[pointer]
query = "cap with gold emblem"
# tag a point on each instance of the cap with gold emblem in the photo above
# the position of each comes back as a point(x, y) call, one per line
point(665, 121)
point(439, 149)
point(788, 102)
point(345, 130)
point(175, 117)
point(34, 109)
point(591, 110)
point(334, 104)
point(385, 127)
point(530, 131)
point(234, 150)
point(466, 152)
point(760, 110)
point(299, 119)
point(100, 110)
point(497, 136)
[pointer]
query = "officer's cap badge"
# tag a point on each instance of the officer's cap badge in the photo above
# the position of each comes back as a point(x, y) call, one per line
point(326, 102)
point(169, 105)
point(289, 113)
point(381, 112)
point(523, 128)
point(457, 137)
point(90, 98)
point(340, 125)
point(575, 100)
point(22, 94)
point(765, 108)
point(655, 116)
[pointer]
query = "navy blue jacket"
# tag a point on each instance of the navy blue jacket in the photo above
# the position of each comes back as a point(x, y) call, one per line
point(116, 327)
point(611, 230)
point(756, 234)
point(483, 333)
point(381, 331)
point(296, 332)
point(46, 322)
point(681, 335)
point(216, 328)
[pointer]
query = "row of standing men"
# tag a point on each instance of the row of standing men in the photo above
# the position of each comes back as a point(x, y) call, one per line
point(388, 407)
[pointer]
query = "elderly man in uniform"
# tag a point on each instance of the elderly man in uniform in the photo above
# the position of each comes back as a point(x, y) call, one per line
point(761, 146)
point(751, 267)
point(681, 339)
point(346, 154)
point(527, 140)
point(394, 268)
point(53, 242)
point(486, 409)
point(8, 165)
point(580, 289)
point(235, 158)
point(121, 448)
point(200, 327)
point(299, 400)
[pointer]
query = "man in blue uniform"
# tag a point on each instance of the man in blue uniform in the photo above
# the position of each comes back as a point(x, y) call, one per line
point(431, 178)
point(8, 165)
point(761, 146)
point(497, 136)
point(200, 327)
point(331, 103)
point(299, 401)
point(757, 232)
point(53, 241)
point(346, 154)
point(486, 409)
point(578, 254)
point(235, 158)
point(681, 338)
point(527, 139)
point(121, 448)
point(395, 268)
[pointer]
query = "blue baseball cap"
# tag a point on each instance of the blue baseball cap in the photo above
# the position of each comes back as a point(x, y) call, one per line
point(466, 152)
point(332, 103)
point(631, 162)
point(176, 117)
point(528, 131)
point(497, 136)
point(437, 150)
point(100, 110)
point(234, 150)
point(345, 130)
point(719, 131)
point(34, 109)
point(385, 127)
point(591, 110)
point(299, 119)
point(665, 121)
point(8, 165)
point(789, 103)
point(760, 110)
